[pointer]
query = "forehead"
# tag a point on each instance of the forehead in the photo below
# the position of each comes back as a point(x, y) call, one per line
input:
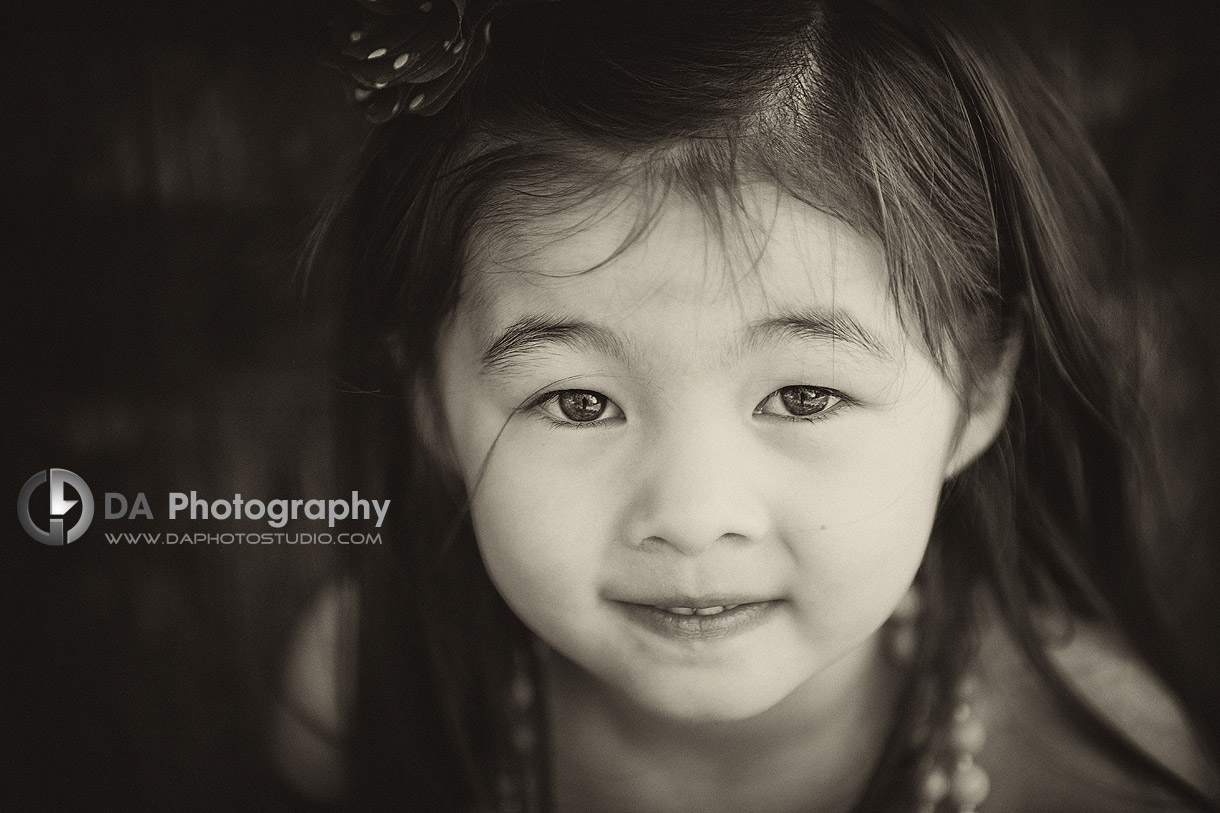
point(620, 257)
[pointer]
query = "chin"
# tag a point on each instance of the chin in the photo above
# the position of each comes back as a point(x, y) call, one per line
point(686, 701)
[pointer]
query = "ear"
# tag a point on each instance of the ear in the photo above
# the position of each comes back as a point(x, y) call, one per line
point(430, 424)
point(988, 410)
point(422, 396)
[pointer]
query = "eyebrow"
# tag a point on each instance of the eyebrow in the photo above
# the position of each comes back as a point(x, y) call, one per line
point(834, 326)
point(536, 333)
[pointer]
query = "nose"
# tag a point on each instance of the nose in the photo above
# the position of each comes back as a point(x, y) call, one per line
point(695, 488)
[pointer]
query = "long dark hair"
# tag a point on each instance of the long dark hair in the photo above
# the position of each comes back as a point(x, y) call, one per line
point(999, 227)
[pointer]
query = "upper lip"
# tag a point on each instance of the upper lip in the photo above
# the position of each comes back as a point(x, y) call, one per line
point(696, 602)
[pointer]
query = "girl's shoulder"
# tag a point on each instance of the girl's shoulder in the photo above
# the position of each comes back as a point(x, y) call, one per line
point(310, 715)
point(1037, 760)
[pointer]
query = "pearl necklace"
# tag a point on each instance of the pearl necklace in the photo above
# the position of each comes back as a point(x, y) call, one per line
point(951, 782)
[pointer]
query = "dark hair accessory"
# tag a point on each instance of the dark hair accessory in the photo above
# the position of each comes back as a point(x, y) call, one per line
point(413, 56)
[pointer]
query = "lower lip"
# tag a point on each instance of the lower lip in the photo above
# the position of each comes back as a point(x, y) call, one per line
point(727, 624)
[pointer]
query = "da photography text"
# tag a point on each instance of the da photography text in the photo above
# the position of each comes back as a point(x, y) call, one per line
point(277, 513)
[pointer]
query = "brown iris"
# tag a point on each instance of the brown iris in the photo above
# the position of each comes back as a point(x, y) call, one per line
point(581, 406)
point(804, 401)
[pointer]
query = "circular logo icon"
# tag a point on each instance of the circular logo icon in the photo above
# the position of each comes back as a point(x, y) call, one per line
point(60, 505)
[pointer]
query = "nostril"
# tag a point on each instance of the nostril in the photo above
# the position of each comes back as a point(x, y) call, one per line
point(690, 543)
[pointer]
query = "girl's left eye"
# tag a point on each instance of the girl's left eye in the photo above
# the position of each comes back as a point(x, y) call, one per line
point(800, 403)
point(578, 407)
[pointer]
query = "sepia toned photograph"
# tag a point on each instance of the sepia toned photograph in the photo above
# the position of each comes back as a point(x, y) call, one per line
point(609, 406)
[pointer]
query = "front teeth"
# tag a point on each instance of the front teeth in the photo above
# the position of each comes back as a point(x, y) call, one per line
point(698, 611)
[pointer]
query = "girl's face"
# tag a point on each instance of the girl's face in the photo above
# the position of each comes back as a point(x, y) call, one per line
point(706, 471)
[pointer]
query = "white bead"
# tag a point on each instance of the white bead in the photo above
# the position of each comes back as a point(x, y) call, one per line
point(969, 785)
point(967, 686)
point(522, 692)
point(904, 643)
point(967, 736)
point(402, 60)
point(935, 786)
point(378, 54)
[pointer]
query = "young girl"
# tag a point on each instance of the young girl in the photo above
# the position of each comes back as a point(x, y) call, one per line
point(754, 386)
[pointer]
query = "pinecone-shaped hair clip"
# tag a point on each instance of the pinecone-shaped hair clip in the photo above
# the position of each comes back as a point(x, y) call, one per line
point(414, 56)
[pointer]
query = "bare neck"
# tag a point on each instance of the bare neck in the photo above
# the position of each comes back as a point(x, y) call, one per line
point(812, 751)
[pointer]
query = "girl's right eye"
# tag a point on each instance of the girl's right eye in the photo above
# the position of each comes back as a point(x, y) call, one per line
point(578, 407)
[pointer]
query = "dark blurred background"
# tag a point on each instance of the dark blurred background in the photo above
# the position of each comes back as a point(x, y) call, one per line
point(159, 170)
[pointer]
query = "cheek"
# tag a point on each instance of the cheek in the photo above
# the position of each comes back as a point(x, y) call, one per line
point(853, 574)
point(538, 530)
point(860, 534)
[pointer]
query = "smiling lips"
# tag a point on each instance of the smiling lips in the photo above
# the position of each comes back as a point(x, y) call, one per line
point(698, 610)
point(693, 620)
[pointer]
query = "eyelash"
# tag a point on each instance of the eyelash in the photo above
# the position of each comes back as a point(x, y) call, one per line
point(842, 403)
point(532, 407)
